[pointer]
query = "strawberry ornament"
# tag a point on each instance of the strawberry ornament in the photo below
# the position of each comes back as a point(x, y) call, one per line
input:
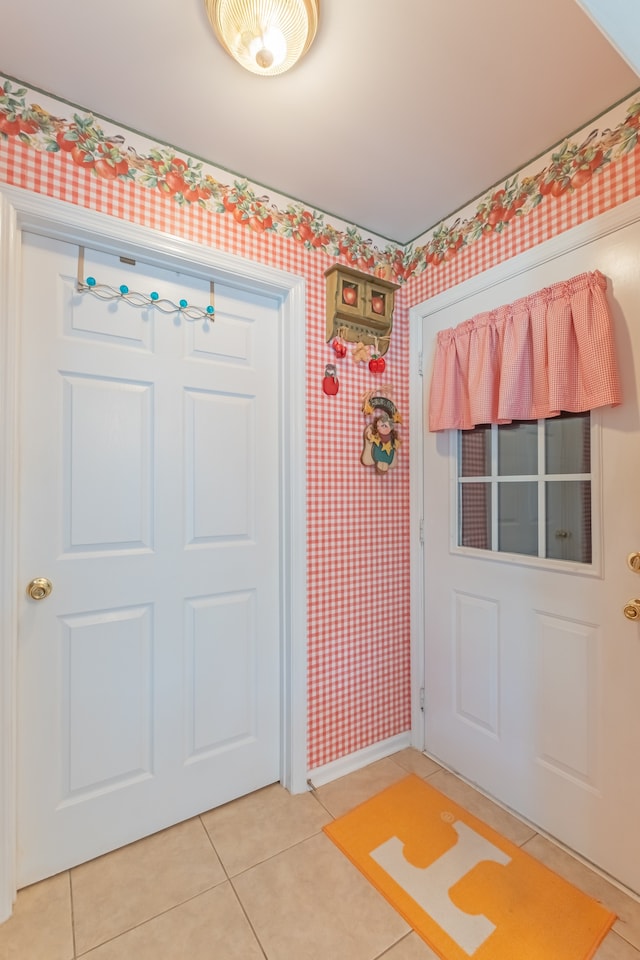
point(339, 347)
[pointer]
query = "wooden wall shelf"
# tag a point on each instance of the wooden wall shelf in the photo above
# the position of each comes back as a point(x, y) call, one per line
point(359, 306)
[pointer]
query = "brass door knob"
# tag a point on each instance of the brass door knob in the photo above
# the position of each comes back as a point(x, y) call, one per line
point(633, 562)
point(632, 610)
point(39, 589)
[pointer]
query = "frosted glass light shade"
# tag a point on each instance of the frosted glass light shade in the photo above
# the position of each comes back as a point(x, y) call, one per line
point(265, 36)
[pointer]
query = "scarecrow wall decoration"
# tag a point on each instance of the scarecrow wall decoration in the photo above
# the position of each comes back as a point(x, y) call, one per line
point(381, 439)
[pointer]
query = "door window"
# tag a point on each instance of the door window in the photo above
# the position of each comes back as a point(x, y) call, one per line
point(526, 488)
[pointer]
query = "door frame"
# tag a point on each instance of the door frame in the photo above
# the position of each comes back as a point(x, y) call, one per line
point(607, 223)
point(20, 211)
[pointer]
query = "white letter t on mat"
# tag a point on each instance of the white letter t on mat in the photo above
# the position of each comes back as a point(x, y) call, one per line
point(430, 886)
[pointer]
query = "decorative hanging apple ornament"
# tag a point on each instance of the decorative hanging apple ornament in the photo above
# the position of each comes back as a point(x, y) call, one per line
point(377, 363)
point(330, 383)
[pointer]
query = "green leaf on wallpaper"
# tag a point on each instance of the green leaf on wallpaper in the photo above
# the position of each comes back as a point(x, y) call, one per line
point(561, 150)
point(629, 144)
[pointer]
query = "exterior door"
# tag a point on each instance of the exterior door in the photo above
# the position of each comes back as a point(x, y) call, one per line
point(532, 685)
point(149, 678)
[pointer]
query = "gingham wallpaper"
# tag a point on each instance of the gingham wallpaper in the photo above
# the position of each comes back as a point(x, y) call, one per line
point(358, 520)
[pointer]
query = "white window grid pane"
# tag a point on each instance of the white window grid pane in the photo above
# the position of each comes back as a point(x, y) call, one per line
point(542, 479)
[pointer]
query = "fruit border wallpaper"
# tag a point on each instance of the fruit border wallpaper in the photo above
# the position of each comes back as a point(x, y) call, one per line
point(117, 154)
point(358, 534)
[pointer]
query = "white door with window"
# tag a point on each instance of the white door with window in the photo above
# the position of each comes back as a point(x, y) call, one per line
point(149, 679)
point(532, 670)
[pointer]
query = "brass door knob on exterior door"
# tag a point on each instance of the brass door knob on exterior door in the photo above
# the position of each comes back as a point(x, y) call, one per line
point(40, 588)
point(633, 562)
point(632, 610)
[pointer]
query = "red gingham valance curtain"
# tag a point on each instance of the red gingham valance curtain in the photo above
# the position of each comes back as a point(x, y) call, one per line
point(545, 353)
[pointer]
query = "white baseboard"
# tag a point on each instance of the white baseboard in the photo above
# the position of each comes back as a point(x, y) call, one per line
point(361, 758)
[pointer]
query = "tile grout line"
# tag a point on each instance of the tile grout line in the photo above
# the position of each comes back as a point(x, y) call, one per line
point(272, 856)
point(73, 918)
point(235, 892)
point(314, 793)
point(213, 846)
point(248, 919)
point(161, 913)
point(387, 951)
point(143, 923)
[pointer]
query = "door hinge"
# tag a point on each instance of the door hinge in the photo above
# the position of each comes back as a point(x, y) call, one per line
point(422, 699)
point(420, 364)
point(421, 534)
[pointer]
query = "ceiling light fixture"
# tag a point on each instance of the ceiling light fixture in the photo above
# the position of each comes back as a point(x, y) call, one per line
point(266, 37)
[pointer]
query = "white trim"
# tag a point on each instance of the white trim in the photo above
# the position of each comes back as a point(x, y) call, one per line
point(585, 233)
point(293, 510)
point(22, 210)
point(9, 281)
point(361, 758)
point(416, 521)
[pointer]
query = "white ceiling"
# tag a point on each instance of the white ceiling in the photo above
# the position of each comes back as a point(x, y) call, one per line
point(401, 112)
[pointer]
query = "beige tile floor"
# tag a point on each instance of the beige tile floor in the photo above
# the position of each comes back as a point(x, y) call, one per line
point(258, 879)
